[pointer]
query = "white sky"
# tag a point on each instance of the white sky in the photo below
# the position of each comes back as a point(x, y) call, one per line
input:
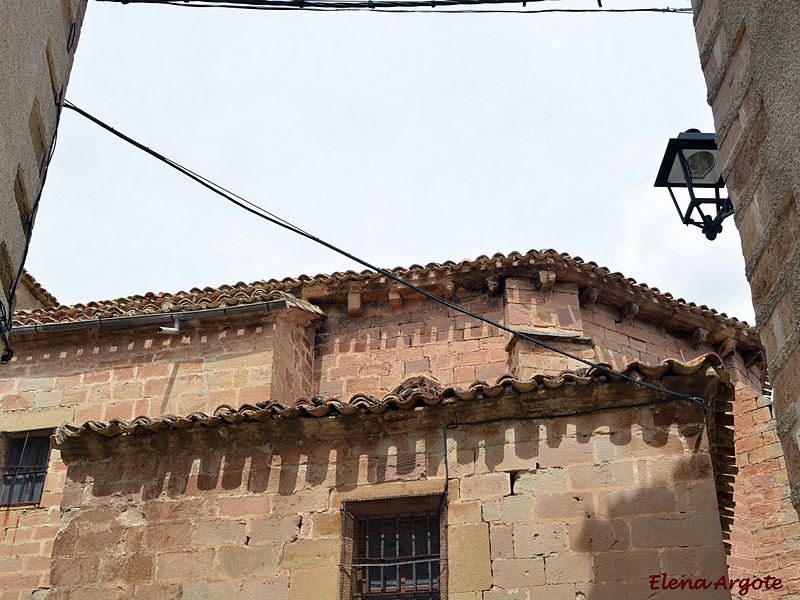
point(409, 138)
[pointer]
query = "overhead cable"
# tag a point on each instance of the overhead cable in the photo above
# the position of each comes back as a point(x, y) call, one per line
point(392, 6)
point(260, 212)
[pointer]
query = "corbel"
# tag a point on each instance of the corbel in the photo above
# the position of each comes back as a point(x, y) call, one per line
point(354, 302)
point(699, 336)
point(753, 358)
point(395, 299)
point(448, 290)
point(588, 296)
point(627, 312)
point(547, 281)
point(493, 285)
point(727, 347)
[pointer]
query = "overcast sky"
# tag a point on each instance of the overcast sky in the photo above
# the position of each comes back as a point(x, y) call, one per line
point(403, 138)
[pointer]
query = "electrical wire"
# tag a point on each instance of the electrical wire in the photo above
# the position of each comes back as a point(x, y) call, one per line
point(391, 6)
point(256, 210)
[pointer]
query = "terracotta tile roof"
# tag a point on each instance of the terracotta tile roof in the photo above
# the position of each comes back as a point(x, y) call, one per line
point(415, 392)
point(163, 304)
point(37, 291)
point(242, 293)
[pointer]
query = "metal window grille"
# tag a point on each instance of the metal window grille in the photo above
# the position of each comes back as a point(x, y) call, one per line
point(24, 468)
point(394, 549)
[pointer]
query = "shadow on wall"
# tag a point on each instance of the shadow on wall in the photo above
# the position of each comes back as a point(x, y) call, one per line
point(662, 540)
point(643, 541)
point(662, 518)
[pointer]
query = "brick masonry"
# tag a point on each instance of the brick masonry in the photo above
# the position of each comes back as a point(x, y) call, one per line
point(750, 55)
point(588, 505)
point(210, 516)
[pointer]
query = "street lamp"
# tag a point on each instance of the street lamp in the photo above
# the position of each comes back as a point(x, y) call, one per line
point(692, 161)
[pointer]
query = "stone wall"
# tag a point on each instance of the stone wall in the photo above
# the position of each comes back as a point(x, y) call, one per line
point(585, 506)
point(102, 375)
point(765, 530)
point(37, 46)
point(373, 352)
point(119, 373)
point(750, 55)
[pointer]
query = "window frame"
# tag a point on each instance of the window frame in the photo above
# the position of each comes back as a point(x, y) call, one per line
point(33, 475)
point(385, 510)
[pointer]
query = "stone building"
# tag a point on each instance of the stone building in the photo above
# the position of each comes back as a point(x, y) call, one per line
point(343, 436)
point(750, 55)
point(37, 46)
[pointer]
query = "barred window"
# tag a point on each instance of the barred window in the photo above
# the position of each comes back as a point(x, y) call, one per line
point(393, 549)
point(24, 467)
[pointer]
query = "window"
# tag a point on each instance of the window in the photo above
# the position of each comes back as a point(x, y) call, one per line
point(24, 467)
point(393, 549)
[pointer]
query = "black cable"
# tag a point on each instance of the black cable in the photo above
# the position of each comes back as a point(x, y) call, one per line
point(389, 6)
point(254, 209)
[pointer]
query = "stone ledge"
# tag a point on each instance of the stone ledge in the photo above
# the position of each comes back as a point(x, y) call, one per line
point(36, 418)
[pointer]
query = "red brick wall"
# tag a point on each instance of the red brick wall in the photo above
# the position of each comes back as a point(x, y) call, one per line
point(125, 374)
point(750, 55)
point(130, 372)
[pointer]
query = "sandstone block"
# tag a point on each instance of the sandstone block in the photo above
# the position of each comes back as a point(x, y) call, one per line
point(515, 509)
point(249, 560)
point(184, 565)
point(599, 536)
point(466, 596)
point(469, 558)
point(326, 524)
point(218, 532)
point(619, 503)
point(480, 487)
point(490, 510)
point(568, 568)
point(576, 505)
point(169, 536)
point(605, 475)
point(304, 554)
point(275, 529)
point(541, 481)
point(689, 529)
point(314, 583)
point(209, 590)
point(464, 512)
point(255, 505)
point(679, 562)
point(518, 572)
point(501, 538)
point(38, 418)
point(539, 539)
point(497, 593)
point(314, 500)
point(170, 591)
point(72, 572)
point(710, 559)
point(265, 588)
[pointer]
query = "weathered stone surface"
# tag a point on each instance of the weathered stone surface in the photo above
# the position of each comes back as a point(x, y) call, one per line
point(304, 554)
point(314, 583)
point(469, 558)
point(518, 572)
